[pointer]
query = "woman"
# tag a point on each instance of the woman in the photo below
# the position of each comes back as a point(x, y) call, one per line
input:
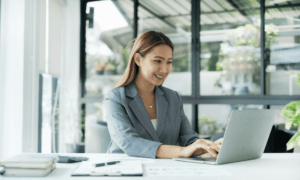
point(146, 119)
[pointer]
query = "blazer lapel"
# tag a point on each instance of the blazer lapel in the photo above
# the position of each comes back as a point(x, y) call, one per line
point(161, 109)
point(138, 108)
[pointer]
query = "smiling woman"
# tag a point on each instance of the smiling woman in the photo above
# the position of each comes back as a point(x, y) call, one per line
point(156, 46)
point(144, 118)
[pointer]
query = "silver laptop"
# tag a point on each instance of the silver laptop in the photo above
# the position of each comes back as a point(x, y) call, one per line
point(245, 137)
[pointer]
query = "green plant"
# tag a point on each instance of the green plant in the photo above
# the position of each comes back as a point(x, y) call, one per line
point(292, 112)
point(180, 65)
point(241, 62)
point(112, 64)
point(82, 125)
point(246, 35)
point(208, 126)
point(125, 53)
point(100, 65)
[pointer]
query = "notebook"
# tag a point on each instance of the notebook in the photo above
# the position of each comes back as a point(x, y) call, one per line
point(30, 161)
point(124, 168)
point(28, 172)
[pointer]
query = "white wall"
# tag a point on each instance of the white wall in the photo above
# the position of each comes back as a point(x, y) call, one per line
point(31, 77)
point(56, 10)
point(19, 77)
point(11, 89)
point(19, 64)
point(69, 90)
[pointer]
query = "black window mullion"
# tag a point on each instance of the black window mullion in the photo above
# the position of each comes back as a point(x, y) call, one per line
point(135, 18)
point(82, 47)
point(195, 59)
point(195, 47)
point(262, 47)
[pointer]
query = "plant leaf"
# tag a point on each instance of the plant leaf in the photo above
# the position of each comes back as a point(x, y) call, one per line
point(290, 109)
point(293, 141)
point(298, 80)
point(296, 119)
point(288, 123)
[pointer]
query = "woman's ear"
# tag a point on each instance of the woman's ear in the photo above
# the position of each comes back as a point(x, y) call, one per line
point(137, 59)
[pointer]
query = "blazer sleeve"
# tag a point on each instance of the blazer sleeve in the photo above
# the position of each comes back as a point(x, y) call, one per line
point(123, 133)
point(186, 135)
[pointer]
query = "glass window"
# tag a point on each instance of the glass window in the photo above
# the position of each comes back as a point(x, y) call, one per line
point(107, 52)
point(230, 47)
point(175, 22)
point(213, 118)
point(187, 108)
point(282, 47)
point(50, 106)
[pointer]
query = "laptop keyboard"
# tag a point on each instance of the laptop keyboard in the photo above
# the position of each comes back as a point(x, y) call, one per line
point(203, 159)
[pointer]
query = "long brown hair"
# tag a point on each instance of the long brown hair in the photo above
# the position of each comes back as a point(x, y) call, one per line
point(142, 45)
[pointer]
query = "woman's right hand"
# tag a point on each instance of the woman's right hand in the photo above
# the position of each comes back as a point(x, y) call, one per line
point(199, 147)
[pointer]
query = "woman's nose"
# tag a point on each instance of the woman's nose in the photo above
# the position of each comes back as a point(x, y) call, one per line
point(164, 68)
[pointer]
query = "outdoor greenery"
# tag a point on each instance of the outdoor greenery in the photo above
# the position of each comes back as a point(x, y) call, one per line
point(82, 125)
point(112, 64)
point(181, 65)
point(246, 60)
point(125, 54)
point(292, 112)
point(208, 126)
point(100, 66)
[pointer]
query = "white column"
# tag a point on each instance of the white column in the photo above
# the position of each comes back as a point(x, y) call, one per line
point(69, 89)
point(31, 76)
point(18, 77)
point(12, 69)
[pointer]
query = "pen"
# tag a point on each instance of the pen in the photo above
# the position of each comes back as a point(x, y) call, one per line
point(106, 163)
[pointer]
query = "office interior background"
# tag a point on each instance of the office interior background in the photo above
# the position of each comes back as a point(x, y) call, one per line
point(60, 57)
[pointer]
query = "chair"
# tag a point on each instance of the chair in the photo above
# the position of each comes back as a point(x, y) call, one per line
point(98, 139)
point(278, 139)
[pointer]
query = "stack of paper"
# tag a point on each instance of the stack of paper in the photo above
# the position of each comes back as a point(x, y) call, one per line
point(124, 168)
point(30, 165)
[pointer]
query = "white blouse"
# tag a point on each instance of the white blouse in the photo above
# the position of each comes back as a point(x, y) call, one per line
point(154, 123)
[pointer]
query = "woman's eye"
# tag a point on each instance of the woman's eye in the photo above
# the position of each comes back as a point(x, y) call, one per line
point(157, 61)
point(170, 62)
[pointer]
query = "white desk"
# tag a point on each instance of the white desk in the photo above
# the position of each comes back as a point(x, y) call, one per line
point(270, 166)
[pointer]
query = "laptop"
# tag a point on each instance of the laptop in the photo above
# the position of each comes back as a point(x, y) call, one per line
point(245, 137)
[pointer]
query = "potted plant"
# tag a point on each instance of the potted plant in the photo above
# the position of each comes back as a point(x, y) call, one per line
point(209, 126)
point(100, 66)
point(80, 146)
point(292, 112)
point(111, 67)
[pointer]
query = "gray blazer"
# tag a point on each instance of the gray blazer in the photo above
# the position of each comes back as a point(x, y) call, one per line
point(131, 129)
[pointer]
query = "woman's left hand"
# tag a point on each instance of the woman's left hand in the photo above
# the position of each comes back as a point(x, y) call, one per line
point(219, 142)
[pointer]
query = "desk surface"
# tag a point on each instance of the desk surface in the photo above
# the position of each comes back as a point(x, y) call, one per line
point(269, 166)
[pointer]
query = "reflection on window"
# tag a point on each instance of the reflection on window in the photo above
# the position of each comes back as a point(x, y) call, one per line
point(282, 48)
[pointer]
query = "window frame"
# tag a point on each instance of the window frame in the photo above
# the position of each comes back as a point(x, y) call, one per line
point(196, 98)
